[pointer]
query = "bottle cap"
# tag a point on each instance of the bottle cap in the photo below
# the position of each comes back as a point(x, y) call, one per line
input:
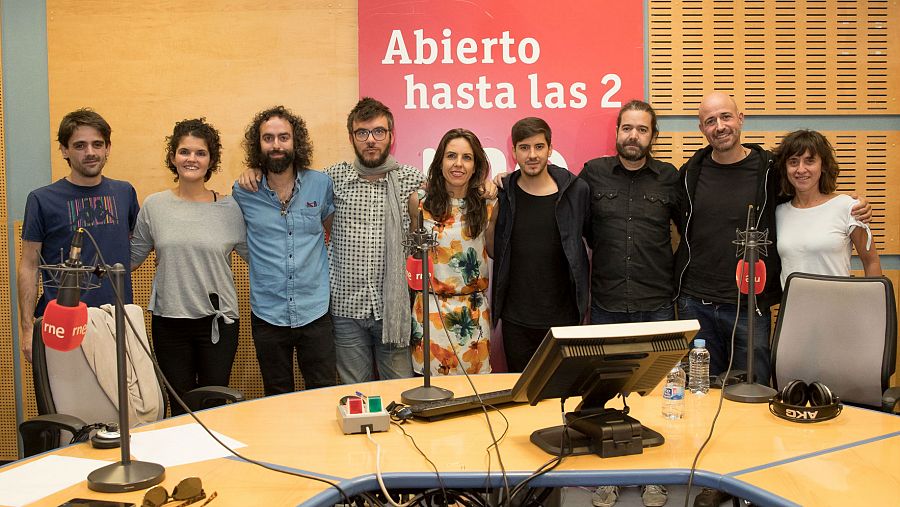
point(699, 342)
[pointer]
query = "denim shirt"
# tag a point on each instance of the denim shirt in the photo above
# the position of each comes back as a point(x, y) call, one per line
point(631, 213)
point(288, 260)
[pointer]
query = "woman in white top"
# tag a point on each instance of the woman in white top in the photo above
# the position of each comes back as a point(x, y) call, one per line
point(815, 228)
point(193, 230)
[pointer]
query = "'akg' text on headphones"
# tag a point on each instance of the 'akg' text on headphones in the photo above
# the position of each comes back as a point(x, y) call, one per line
point(805, 403)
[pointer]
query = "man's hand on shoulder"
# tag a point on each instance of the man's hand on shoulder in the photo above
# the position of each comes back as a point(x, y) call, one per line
point(862, 211)
point(489, 190)
point(249, 180)
point(499, 181)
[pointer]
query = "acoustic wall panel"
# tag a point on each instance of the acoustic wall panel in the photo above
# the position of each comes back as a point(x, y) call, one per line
point(778, 57)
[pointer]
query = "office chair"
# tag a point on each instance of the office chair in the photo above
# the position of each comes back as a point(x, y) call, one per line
point(842, 332)
point(70, 396)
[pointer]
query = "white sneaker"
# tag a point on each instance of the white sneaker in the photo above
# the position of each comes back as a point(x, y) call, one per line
point(654, 495)
point(605, 496)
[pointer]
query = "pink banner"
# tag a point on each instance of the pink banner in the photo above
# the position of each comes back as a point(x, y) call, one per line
point(483, 65)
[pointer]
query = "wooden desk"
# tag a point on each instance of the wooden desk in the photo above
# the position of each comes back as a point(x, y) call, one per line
point(851, 459)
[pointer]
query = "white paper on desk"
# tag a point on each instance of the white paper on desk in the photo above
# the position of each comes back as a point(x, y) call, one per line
point(44, 476)
point(179, 445)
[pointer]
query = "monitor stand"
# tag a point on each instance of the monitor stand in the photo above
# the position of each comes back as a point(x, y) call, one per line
point(606, 433)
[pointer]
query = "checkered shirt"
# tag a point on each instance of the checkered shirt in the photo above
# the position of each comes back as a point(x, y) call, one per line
point(356, 251)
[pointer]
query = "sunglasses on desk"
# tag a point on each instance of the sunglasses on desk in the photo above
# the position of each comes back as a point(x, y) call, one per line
point(189, 491)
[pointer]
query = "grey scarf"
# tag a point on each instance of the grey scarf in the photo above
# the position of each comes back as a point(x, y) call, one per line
point(396, 314)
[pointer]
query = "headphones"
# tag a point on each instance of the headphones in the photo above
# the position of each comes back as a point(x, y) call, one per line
point(805, 403)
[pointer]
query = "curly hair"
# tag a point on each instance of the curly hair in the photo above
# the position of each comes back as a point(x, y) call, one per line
point(302, 144)
point(798, 143)
point(437, 199)
point(196, 127)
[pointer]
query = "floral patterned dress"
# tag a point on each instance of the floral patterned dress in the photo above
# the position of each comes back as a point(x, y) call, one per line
point(461, 319)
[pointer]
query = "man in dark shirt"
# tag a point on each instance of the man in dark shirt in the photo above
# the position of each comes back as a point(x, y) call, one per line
point(540, 266)
point(634, 198)
point(721, 182)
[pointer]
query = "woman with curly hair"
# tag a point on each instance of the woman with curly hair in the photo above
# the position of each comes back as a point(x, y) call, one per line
point(193, 230)
point(455, 210)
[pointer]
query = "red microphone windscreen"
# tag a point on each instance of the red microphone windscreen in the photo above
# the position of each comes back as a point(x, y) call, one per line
point(742, 276)
point(414, 272)
point(64, 327)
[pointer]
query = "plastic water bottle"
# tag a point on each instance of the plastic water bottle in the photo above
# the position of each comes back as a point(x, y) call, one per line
point(673, 394)
point(699, 368)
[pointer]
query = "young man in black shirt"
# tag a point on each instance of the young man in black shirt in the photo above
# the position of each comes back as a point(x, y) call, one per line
point(540, 277)
point(634, 198)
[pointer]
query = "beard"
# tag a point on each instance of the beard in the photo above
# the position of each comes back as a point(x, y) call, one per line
point(278, 165)
point(631, 156)
point(369, 162)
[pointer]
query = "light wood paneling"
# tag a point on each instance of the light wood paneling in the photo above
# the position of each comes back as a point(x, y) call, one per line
point(8, 351)
point(781, 57)
point(145, 66)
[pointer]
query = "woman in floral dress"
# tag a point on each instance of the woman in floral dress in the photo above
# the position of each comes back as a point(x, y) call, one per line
point(455, 210)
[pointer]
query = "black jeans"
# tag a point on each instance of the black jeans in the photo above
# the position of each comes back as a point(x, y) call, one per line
point(519, 344)
point(275, 346)
point(188, 357)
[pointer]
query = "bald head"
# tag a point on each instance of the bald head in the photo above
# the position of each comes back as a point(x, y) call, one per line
point(721, 123)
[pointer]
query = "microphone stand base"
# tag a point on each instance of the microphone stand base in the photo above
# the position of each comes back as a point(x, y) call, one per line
point(422, 394)
point(120, 478)
point(747, 392)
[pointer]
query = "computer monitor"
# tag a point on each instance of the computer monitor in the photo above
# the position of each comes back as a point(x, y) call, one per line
point(597, 363)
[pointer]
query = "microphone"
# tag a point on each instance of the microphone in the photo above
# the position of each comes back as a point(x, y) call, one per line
point(65, 318)
point(750, 243)
point(742, 276)
point(414, 272)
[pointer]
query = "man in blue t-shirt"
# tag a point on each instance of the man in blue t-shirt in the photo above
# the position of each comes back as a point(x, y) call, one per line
point(106, 208)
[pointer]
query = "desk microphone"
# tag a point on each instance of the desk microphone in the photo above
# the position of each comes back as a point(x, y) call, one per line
point(742, 276)
point(65, 318)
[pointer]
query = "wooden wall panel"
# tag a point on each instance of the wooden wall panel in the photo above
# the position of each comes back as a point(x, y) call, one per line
point(151, 64)
point(869, 164)
point(26, 379)
point(780, 57)
point(8, 351)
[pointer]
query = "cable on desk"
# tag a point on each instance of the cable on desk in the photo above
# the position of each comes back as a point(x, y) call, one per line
point(495, 441)
point(413, 440)
point(712, 425)
point(556, 460)
point(181, 402)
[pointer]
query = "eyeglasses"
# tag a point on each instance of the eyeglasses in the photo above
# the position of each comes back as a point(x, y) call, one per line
point(188, 491)
point(378, 133)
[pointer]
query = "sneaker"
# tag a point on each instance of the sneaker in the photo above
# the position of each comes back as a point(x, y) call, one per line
point(654, 495)
point(709, 497)
point(605, 496)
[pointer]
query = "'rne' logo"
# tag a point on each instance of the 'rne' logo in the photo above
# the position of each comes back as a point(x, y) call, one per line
point(59, 331)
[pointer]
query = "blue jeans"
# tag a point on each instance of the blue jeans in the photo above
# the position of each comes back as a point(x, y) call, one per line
point(358, 346)
point(716, 323)
point(601, 316)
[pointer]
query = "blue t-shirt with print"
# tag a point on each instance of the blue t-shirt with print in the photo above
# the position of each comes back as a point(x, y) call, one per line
point(107, 210)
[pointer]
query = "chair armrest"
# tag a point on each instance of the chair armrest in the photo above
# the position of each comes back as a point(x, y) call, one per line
point(890, 400)
point(211, 396)
point(41, 433)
